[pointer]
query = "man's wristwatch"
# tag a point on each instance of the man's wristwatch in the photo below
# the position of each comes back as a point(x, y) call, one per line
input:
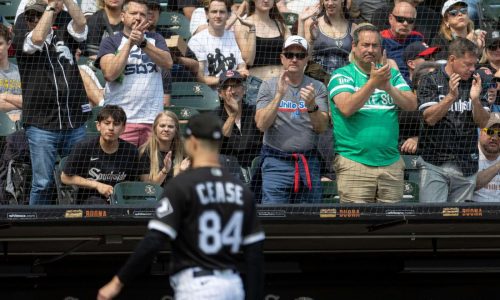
point(314, 109)
point(143, 44)
point(50, 8)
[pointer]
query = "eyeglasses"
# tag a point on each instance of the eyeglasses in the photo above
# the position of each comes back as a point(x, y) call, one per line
point(297, 55)
point(400, 19)
point(455, 12)
point(32, 16)
point(494, 47)
point(490, 132)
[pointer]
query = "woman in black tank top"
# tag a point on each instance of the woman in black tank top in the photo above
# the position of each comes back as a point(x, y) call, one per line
point(260, 37)
point(327, 29)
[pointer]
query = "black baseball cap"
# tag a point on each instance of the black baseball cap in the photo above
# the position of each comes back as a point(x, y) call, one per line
point(418, 49)
point(205, 126)
point(153, 4)
point(487, 78)
point(492, 37)
point(229, 74)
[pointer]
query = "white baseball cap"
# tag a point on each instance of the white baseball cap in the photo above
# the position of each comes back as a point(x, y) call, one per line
point(295, 40)
point(449, 4)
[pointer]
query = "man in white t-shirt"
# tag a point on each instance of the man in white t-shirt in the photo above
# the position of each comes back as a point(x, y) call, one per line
point(215, 47)
point(488, 177)
point(131, 62)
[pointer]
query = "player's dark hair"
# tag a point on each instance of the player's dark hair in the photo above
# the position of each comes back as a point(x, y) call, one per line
point(362, 28)
point(113, 111)
point(125, 4)
point(421, 70)
point(4, 32)
point(461, 46)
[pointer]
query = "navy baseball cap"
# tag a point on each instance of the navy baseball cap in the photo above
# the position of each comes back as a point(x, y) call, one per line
point(418, 49)
point(229, 74)
point(205, 126)
point(492, 37)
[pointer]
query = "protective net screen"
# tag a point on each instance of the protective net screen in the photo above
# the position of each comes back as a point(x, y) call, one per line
point(356, 102)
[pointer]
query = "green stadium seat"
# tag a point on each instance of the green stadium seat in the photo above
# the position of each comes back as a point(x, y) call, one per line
point(90, 126)
point(194, 94)
point(176, 23)
point(182, 112)
point(136, 192)
point(7, 126)
point(412, 172)
point(291, 21)
point(8, 11)
point(330, 192)
point(253, 167)
point(410, 192)
point(491, 9)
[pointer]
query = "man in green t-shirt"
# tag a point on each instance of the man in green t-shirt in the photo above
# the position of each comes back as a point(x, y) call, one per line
point(365, 99)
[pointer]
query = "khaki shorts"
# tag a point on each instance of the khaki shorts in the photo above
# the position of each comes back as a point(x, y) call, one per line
point(359, 183)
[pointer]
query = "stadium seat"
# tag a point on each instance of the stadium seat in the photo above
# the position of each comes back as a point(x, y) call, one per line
point(233, 166)
point(175, 22)
point(136, 192)
point(7, 126)
point(253, 167)
point(90, 126)
point(194, 94)
point(8, 9)
point(410, 192)
point(491, 9)
point(330, 192)
point(65, 193)
point(182, 112)
point(412, 172)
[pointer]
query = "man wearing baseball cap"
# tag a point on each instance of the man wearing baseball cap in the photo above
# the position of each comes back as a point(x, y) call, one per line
point(488, 177)
point(415, 54)
point(292, 111)
point(55, 105)
point(241, 139)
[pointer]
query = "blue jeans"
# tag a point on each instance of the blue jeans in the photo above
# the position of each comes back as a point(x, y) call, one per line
point(44, 147)
point(252, 90)
point(278, 181)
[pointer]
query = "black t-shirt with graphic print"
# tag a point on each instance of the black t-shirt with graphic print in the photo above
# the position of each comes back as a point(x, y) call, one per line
point(88, 160)
point(454, 137)
point(209, 215)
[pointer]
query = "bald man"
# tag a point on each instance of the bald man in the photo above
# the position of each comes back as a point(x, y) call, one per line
point(401, 34)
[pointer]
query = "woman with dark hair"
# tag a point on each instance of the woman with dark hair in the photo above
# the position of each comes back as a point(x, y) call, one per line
point(456, 23)
point(260, 37)
point(163, 150)
point(327, 29)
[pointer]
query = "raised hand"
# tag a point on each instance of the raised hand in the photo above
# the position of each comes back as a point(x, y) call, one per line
point(231, 101)
point(310, 11)
point(453, 85)
point(475, 90)
point(381, 76)
point(185, 164)
point(167, 161)
point(247, 22)
point(307, 94)
point(283, 82)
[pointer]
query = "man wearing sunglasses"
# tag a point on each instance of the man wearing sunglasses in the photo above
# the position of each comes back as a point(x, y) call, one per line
point(366, 97)
point(292, 111)
point(241, 138)
point(400, 35)
point(488, 177)
point(55, 105)
point(453, 105)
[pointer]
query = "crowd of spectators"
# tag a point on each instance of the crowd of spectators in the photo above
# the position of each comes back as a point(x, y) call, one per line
point(379, 79)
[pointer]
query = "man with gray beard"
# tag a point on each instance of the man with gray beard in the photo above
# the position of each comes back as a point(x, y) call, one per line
point(98, 163)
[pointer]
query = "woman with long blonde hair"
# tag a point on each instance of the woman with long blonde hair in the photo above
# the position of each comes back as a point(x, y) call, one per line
point(456, 23)
point(163, 150)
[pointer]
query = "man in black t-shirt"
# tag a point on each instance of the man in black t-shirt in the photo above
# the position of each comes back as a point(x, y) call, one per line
point(453, 106)
point(208, 215)
point(98, 163)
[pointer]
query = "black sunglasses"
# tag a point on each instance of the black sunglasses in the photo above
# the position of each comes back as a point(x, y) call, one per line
point(31, 16)
point(455, 12)
point(400, 19)
point(297, 55)
point(494, 47)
